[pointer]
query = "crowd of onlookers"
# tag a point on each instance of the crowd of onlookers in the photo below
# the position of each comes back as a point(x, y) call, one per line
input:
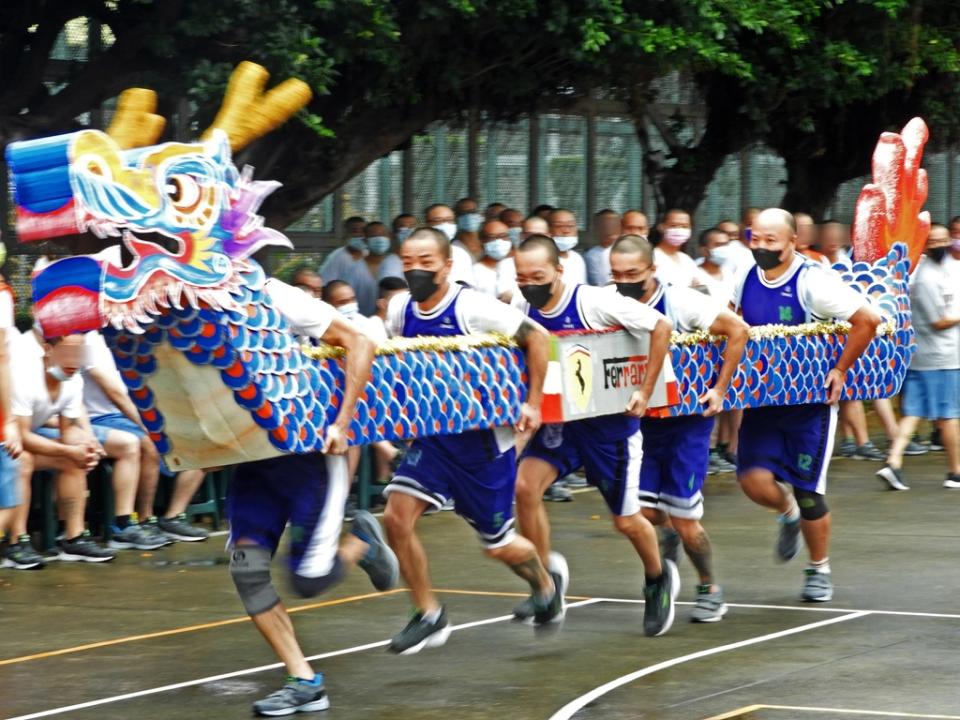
point(69, 409)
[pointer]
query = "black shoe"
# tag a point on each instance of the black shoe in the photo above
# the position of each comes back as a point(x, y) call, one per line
point(296, 696)
point(21, 555)
point(380, 562)
point(420, 634)
point(525, 611)
point(659, 599)
point(550, 615)
point(83, 549)
point(936, 444)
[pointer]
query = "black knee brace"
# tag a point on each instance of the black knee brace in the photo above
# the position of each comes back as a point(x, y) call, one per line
point(250, 570)
point(813, 506)
point(312, 586)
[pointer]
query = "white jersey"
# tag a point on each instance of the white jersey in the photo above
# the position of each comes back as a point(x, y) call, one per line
point(308, 316)
point(689, 310)
point(495, 280)
point(574, 268)
point(678, 269)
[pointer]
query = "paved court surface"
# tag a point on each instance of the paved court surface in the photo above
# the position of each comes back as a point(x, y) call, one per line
point(162, 635)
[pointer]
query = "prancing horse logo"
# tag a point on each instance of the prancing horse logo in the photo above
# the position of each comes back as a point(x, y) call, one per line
point(578, 376)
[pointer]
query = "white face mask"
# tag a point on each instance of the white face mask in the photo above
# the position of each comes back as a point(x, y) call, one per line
point(720, 255)
point(448, 228)
point(515, 237)
point(378, 245)
point(676, 236)
point(497, 249)
point(403, 233)
point(470, 222)
point(57, 373)
point(566, 243)
point(350, 310)
point(357, 243)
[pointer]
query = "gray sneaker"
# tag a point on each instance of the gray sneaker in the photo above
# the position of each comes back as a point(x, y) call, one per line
point(868, 451)
point(380, 562)
point(789, 539)
point(419, 633)
point(915, 448)
point(558, 492)
point(818, 587)
point(709, 606)
point(846, 448)
point(893, 478)
point(294, 697)
point(550, 616)
point(177, 528)
point(524, 612)
point(135, 537)
point(21, 555)
point(720, 463)
point(659, 602)
point(670, 545)
point(557, 565)
point(576, 480)
point(83, 549)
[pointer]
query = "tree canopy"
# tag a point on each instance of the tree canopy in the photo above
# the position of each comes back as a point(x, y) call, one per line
point(815, 80)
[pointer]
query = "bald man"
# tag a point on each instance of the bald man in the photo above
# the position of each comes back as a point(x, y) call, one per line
point(786, 447)
point(563, 230)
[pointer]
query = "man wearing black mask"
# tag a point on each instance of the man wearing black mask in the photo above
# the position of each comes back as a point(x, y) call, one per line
point(676, 451)
point(477, 469)
point(608, 447)
point(791, 445)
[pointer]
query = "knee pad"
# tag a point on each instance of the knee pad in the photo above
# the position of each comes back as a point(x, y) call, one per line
point(250, 570)
point(312, 586)
point(813, 506)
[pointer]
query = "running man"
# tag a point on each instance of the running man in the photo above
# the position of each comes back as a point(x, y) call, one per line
point(308, 492)
point(790, 446)
point(477, 469)
point(676, 451)
point(609, 448)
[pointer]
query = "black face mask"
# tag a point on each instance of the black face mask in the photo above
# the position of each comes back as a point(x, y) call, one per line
point(537, 295)
point(766, 259)
point(422, 283)
point(937, 254)
point(633, 290)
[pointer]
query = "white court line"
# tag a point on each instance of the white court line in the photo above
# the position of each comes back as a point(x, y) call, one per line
point(253, 671)
point(804, 608)
point(575, 706)
point(845, 711)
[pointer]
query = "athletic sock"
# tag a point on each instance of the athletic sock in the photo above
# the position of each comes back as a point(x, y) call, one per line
point(821, 566)
point(652, 581)
point(122, 521)
point(316, 681)
point(431, 616)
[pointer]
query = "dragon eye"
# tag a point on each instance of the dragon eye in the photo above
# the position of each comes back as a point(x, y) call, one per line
point(184, 192)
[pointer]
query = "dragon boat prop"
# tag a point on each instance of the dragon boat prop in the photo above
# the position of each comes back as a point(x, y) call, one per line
point(219, 378)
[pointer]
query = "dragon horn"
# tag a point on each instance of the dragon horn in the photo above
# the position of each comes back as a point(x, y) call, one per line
point(247, 112)
point(135, 123)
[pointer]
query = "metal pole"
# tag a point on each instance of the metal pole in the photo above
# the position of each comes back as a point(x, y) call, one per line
point(590, 166)
point(533, 154)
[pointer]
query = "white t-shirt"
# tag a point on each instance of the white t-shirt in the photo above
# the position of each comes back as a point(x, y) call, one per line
point(475, 312)
point(8, 325)
point(307, 315)
point(678, 269)
point(822, 291)
point(720, 288)
point(495, 280)
point(574, 268)
point(30, 397)
point(98, 356)
point(689, 310)
point(462, 270)
point(741, 258)
point(602, 308)
point(376, 329)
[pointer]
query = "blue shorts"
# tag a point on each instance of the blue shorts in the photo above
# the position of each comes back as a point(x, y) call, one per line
point(482, 489)
point(308, 491)
point(102, 424)
point(793, 442)
point(611, 460)
point(931, 394)
point(676, 453)
point(9, 481)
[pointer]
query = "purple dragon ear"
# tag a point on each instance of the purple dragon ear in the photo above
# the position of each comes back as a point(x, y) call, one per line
point(247, 233)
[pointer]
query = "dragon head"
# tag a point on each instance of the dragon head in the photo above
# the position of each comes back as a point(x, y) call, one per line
point(188, 218)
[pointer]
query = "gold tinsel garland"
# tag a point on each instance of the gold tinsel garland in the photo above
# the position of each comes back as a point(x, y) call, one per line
point(460, 343)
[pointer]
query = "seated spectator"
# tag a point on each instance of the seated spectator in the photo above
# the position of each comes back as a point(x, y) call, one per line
point(113, 416)
point(468, 227)
point(19, 552)
point(339, 262)
point(832, 240)
point(49, 386)
point(494, 272)
point(543, 211)
point(806, 236)
point(403, 224)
